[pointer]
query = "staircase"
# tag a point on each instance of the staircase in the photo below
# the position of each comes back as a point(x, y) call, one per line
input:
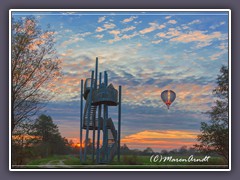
point(111, 146)
point(92, 119)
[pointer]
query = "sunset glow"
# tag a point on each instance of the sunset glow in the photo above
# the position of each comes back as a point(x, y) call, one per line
point(168, 139)
point(146, 53)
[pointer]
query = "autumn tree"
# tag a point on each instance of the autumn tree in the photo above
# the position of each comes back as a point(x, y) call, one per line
point(214, 135)
point(34, 65)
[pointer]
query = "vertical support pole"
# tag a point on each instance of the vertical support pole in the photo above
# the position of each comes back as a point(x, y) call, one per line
point(106, 116)
point(96, 74)
point(119, 119)
point(99, 117)
point(89, 101)
point(94, 122)
point(81, 119)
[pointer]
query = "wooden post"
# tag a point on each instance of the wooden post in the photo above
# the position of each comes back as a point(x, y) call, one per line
point(96, 73)
point(119, 120)
point(99, 117)
point(94, 122)
point(106, 115)
point(81, 119)
point(89, 98)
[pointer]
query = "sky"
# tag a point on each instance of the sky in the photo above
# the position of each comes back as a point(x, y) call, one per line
point(146, 53)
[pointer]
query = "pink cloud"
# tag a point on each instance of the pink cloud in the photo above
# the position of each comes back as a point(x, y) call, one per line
point(99, 29)
point(99, 36)
point(109, 26)
point(157, 41)
point(101, 19)
point(172, 21)
point(129, 19)
point(114, 32)
point(128, 29)
point(153, 27)
point(196, 36)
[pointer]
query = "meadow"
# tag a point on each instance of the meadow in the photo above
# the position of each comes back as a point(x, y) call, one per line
point(126, 162)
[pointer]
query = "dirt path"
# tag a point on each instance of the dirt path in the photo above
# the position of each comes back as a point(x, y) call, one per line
point(53, 164)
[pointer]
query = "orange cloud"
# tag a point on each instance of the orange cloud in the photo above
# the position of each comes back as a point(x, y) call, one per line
point(99, 29)
point(34, 45)
point(128, 29)
point(168, 17)
point(72, 40)
point(158, 139)
point(67, 53)
point(161, 139)
point(196, 36)
point(99, 36)
point(101, 19)
point(129, 19)
point(172, 21)
point(217, 55)
point(157, 41)
point(47, 34)
point(129, 36)
point(153, 27)
point(114, 32)
point(109, 25)
point(148, 30)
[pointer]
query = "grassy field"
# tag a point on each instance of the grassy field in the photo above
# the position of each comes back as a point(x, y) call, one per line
point(126, 162)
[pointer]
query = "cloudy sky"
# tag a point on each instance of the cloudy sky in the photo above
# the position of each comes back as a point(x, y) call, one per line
point(146, 53)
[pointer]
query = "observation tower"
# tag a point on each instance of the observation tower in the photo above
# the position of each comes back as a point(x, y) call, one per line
point(95, 121)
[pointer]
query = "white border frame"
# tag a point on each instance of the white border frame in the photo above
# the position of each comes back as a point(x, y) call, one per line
point(122, 10)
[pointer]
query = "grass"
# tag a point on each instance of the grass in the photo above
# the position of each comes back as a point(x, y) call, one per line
point(126, 162)
point(44, 161)
point(144, 162)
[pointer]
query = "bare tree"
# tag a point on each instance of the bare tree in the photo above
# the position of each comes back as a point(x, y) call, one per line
point(34, 65)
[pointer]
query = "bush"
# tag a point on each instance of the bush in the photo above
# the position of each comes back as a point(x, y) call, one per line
point(130, 160)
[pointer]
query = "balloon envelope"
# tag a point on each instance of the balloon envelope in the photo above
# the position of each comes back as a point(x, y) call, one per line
point(168, 96)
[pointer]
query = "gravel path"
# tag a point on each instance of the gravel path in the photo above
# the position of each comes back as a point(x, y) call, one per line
point(53, 164)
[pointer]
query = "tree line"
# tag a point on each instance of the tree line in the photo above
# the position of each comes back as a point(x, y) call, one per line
point(35, 65)
point(181, 151)
point(42, 139)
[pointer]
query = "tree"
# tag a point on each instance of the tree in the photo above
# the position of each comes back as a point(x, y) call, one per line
point(183, 150)
point(50, 140)
point(22, 144)
point(214, 135)
point(34, 65)
point(124, 149)
point(42, 139)
point(164, 152)
point(148, 151)
point(45, 129)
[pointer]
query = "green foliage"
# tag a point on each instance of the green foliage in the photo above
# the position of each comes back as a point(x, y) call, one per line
point(214, 135)
point(130, 160)
point(72, 160)
point(43, 161)
point(148, 151)
point(126, 161)
point(43, 140)
point(50, 140)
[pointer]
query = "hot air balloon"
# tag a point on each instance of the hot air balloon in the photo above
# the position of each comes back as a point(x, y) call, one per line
point(168, 96)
